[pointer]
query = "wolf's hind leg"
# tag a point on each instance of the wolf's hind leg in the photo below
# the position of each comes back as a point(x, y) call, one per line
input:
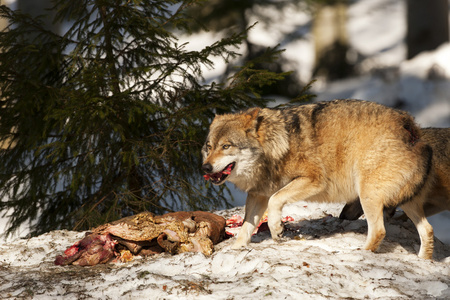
point(301, 188)
point(415, 212)
point(255, 206)
point(373, 209)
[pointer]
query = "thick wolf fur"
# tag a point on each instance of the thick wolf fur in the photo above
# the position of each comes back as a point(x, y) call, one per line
point(328, 152)
point(436, 198)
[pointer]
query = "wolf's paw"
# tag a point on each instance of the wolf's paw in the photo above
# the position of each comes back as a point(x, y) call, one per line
point(426, 255)
point(280, 240)
point(276, 231)
point(239, 245)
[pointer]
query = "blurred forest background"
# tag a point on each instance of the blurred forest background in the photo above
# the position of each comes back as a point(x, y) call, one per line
point(105, 104)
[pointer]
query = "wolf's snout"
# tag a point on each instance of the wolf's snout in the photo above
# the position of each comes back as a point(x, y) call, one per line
point(207, 168)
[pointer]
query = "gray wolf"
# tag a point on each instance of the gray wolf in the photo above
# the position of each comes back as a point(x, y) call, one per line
point(328, 152)
point(437, 197)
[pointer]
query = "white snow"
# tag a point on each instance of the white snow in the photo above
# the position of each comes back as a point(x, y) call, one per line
point(376, 29)
point(320, 258)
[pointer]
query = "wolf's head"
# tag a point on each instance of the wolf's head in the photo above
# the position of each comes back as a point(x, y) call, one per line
point(236, 143)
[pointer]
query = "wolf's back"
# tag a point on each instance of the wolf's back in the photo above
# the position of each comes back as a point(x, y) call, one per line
point(375, 139)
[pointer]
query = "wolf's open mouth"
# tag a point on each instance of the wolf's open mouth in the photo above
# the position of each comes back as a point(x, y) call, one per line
point(220, 177)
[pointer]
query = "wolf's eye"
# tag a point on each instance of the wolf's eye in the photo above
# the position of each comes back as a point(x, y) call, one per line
point(226, 146)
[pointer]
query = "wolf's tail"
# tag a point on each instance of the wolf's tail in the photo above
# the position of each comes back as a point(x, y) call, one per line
point(423, 155)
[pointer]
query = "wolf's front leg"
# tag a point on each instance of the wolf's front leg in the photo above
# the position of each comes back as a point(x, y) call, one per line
point(255, 206)
point(301, 188)
point(275, 208)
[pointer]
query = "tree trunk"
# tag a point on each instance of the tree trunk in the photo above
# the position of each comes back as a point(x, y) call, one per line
point(331, 41)
point(427, 22)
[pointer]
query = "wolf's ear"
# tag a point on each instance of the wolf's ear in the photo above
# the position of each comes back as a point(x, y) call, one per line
point(270, 130)
point(252, 114)
point(251, 119)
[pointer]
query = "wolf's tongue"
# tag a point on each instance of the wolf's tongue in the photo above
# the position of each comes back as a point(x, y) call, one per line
point(215, 176)
point(218, 175)
point(228, 169)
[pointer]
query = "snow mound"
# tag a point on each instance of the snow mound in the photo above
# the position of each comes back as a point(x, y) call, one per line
point(319, 258)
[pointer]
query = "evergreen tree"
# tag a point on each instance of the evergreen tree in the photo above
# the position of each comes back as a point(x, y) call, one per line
point(108, 118)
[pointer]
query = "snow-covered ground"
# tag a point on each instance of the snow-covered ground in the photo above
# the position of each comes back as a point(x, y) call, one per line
point(320, 258)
